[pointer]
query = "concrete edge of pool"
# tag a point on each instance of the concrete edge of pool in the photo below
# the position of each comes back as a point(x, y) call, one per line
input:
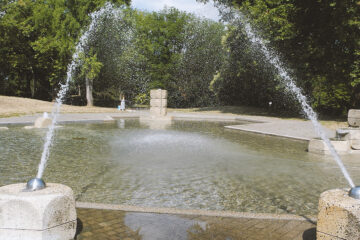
point(104, 221)
point(257, 124)
point(197, 212)
point(280, 128)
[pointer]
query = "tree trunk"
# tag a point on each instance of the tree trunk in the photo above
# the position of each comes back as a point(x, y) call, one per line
point(89, 95)
point(32, 85)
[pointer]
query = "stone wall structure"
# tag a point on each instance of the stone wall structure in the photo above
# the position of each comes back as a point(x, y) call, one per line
point(158, 103)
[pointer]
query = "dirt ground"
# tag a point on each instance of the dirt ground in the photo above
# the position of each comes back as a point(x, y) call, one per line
point(16, 106)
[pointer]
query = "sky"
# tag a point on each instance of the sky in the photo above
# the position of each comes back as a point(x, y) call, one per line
point(205, 10)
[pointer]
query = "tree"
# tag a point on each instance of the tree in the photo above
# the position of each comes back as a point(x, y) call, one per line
point(182, 53)
point(90, 70)
point(318, 40)
point(37, 39)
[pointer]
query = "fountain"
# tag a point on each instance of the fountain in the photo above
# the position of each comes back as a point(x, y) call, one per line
point(37, 210)
point(47, 211)
point(339, 209)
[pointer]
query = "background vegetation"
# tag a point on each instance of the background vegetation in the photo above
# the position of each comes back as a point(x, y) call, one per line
point(200, 62)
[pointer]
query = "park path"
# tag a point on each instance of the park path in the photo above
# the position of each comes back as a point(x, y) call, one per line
point(289, 128)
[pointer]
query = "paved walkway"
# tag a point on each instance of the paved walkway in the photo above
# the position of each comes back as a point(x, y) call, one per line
point(94, 224)
point(295, 129)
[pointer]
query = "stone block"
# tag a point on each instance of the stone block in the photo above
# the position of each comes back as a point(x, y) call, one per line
point(355, 144)
point(47, 214)
point(319, 146)
point(354, 117)
point(339, 216)
point(108, 119)
point(42, 122)
point(158, 94)
point(158, 103)
point(158, 111)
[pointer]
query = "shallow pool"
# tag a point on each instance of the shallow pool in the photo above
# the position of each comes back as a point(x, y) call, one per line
point(186, 164)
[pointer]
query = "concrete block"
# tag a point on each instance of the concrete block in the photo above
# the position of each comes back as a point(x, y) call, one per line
point(349, 133)
point(319, 146)
point(42, 122)
point(47, 214)
point(108, 119)
point(354, 134)
point(339, 216)
point(158, 94)
point(158, 103)
point(355, 144)
point(354, 117)
point(158, 111)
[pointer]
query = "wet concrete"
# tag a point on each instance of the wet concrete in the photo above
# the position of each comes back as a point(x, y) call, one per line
point(116, 224)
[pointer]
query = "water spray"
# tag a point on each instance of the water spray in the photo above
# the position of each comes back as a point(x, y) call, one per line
point(275, 61)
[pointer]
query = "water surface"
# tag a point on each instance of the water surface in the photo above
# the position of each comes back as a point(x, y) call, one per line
point(188, 164)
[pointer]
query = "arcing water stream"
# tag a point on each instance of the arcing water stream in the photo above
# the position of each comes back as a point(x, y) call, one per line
point(274, 60)
point(270, 56)
point(64, 87)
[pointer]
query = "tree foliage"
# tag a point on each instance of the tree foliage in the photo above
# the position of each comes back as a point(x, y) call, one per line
point(183, 53)
point(318, 40)
point(37, 39)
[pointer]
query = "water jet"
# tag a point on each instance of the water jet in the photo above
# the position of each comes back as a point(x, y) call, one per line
point(35, 210)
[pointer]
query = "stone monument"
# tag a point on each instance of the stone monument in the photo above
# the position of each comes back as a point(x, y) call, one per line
point(158, 118)
point(158, 103)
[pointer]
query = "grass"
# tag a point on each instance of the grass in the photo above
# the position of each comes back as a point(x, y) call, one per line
point(16, 106)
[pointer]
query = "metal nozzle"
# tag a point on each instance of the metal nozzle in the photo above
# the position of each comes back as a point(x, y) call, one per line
point(35, 184)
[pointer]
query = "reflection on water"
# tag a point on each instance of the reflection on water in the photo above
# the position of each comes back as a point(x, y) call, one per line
point(189, 164)
point(98, 224)
point(161, 226)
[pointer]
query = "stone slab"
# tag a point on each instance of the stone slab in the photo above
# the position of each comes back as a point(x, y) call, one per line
point(339, 216)
point(158, 94)
point(318, 146)
point(108, 119)
point(349, 133)
point(158, 111)
point(38, 212)
point(158, 103)
point(42, 122)
point(354, 117)
point(56, 233)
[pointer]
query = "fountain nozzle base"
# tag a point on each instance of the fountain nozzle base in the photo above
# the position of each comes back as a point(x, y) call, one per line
point(355, 192)
point(35, 184)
